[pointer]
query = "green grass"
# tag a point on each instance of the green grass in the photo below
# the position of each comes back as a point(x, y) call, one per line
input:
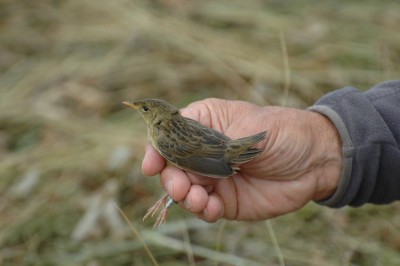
point(65, 68)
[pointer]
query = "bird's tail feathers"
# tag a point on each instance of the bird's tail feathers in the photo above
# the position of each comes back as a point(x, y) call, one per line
point(252, 140)
point(240, 150)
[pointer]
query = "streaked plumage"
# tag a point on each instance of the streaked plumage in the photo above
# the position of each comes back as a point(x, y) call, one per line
point(192, 146)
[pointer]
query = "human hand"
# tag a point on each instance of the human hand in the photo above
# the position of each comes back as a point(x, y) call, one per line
point(301, 162)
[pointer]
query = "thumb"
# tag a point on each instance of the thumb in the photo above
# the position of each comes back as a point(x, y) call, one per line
point(198, 111)
point(209, 112)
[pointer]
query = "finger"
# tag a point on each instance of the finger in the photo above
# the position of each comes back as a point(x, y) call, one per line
point(210, 112)
point(196, 199)
point(176, 182)
point(214, 209)
point(153, 162)
point(226, 191)
point(198, 111)
point(201, 179)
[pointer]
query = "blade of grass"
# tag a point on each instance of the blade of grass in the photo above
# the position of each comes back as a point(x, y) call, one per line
point(286, 68)
point(138, 235)
point(200, 251)
point(219, 238)
point(188, 248)
point(275, 242)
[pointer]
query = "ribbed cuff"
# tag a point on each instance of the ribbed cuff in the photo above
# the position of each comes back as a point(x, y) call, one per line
point(347, 153)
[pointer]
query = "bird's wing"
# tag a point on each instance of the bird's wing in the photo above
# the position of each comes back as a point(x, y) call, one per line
point(196, 148)
point(189, 138)
point(211, 167)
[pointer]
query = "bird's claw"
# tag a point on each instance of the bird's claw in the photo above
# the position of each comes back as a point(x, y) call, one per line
point(165, 203)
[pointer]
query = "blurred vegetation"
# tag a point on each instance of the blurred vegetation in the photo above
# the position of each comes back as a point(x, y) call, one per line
point(69, 151)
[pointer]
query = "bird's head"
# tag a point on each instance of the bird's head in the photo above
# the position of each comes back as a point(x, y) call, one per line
point(153, 110)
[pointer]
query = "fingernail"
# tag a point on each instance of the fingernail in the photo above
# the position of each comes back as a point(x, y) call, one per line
point(145, 156)
point(169, 187)
point(144, 161)
point(188, 203)
point(205, 213)
point(209, 188)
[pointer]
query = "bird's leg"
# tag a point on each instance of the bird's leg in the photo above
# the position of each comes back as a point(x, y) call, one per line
point(165, 200)
point(156, 206)
point(162, 216)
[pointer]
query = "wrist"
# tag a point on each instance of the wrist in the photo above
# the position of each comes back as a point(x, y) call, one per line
point(328, 152)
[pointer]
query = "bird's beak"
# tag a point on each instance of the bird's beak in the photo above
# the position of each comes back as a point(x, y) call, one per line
point(130, 105)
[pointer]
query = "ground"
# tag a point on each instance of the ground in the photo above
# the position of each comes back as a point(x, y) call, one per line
point(70, 152)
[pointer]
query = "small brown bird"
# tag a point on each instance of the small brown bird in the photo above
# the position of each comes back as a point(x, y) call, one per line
point(191, 146)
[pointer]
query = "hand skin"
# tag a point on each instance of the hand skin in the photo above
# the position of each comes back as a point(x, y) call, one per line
point(301, 161)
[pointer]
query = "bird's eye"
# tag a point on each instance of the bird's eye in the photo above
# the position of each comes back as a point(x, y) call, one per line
point(145, 108)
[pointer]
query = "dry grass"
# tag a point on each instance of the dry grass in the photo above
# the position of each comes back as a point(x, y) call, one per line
point(69, 151)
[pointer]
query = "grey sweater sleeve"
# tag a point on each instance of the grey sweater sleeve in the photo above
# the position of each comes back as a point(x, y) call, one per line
point(369, 125)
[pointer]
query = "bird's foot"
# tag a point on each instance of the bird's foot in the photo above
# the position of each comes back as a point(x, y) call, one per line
point(165, 203)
